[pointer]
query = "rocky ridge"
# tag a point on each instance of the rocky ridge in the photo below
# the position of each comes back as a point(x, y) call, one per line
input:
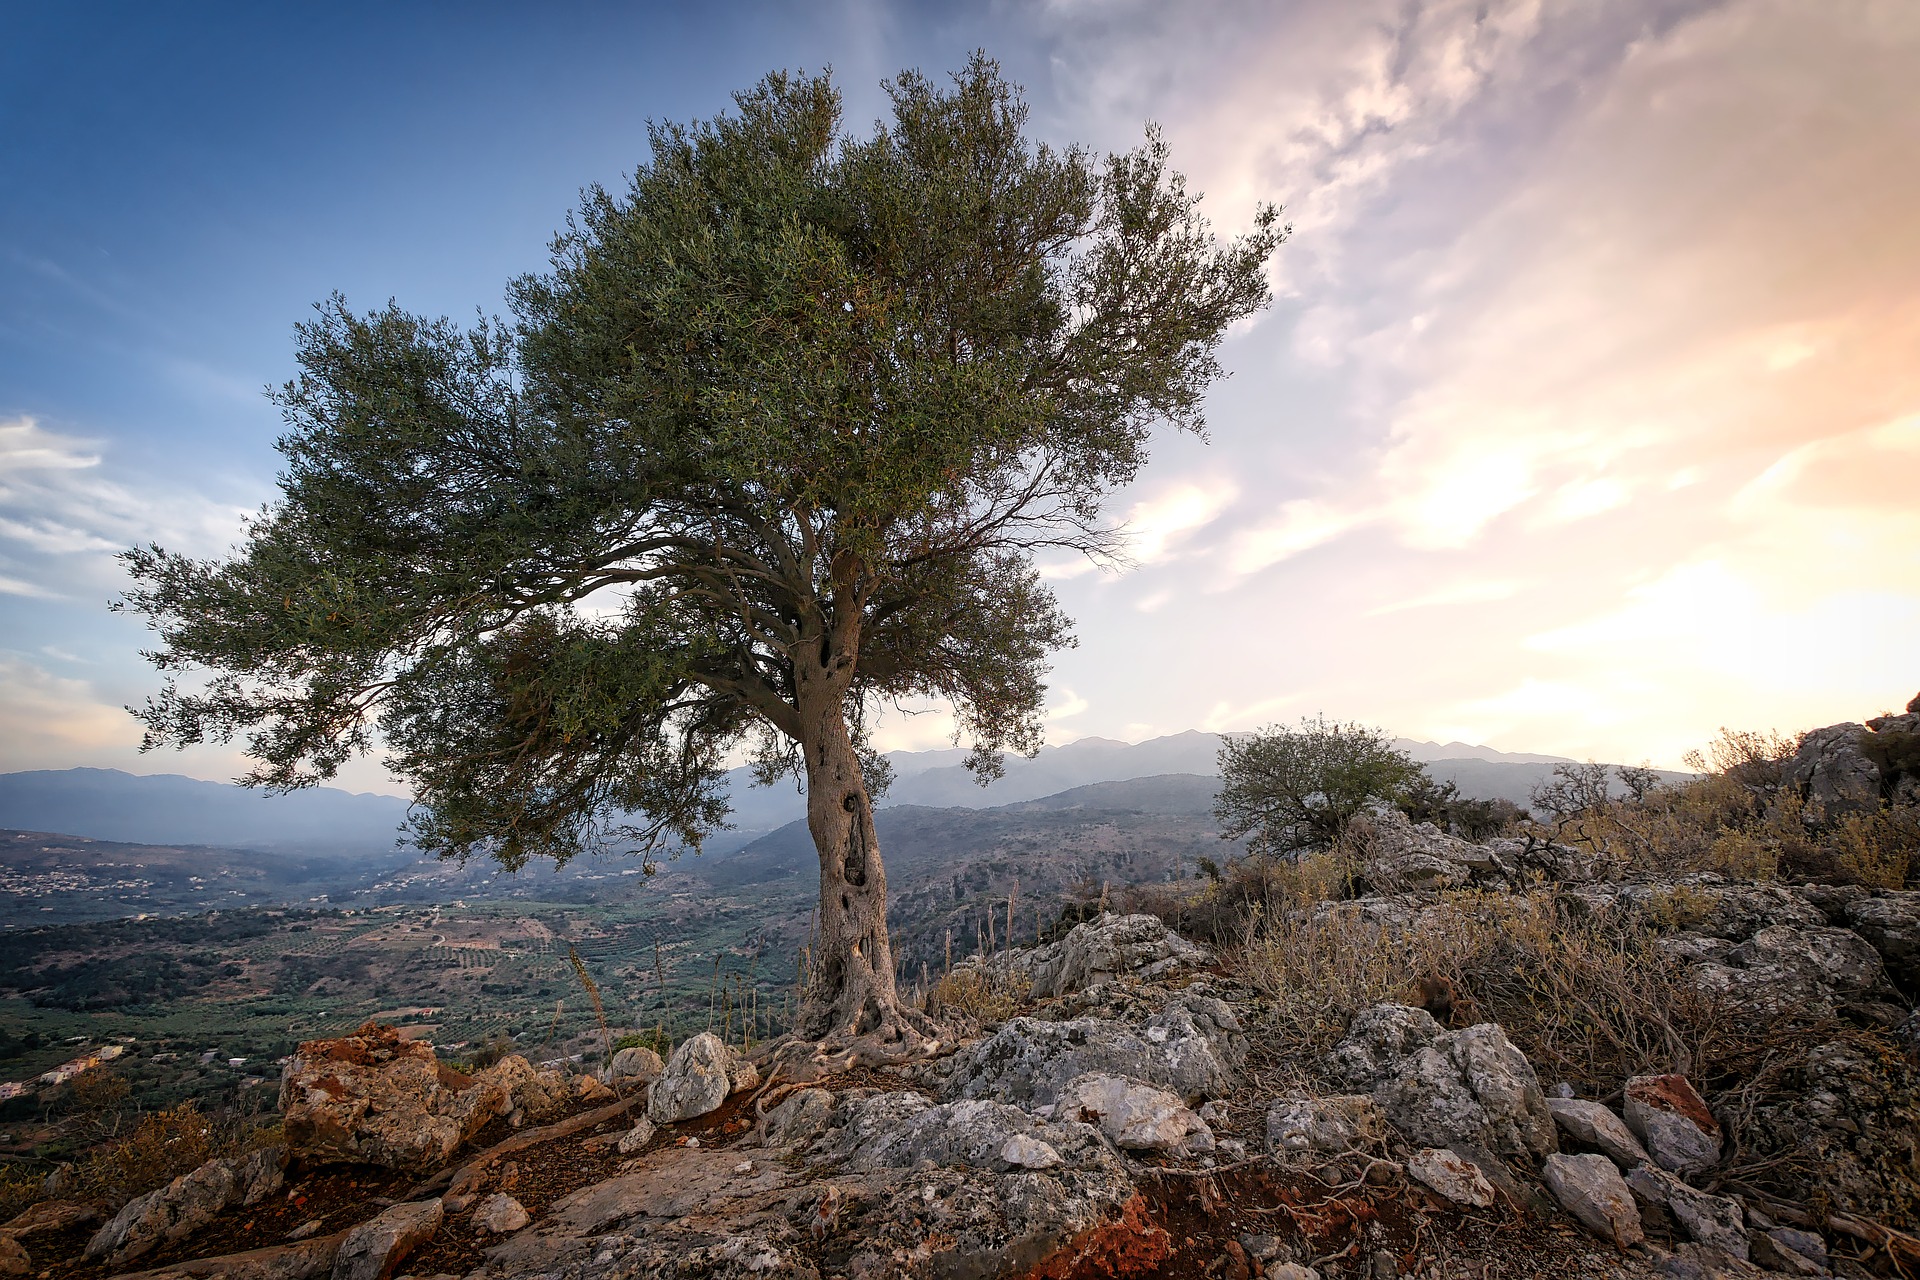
point(1117, 1128)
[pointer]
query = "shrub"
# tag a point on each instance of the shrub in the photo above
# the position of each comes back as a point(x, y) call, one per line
point(975, 995)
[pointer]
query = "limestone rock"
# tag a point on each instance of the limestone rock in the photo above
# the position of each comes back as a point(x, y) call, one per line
point(1592, 1190)
point(1400, 856)
point(1453, 1179)
point(1109, 945)
point(500, 1214)
point(636, 1138)
point(1850, 1117)
point(1443, 1088)
point(1672, 1122)
point(1838, 959)
point(899, 1131)
point(1193, 1048)
point(1890, 923)
point(589, 1091)
point(637, 1065)
point(798, 1120)
point(697, 1079)
point(1597, 1126)
point(1709, 905)
point(375, 1098)
point(1135, 1116)
point(525, 1092)
point(1337, 1123)
point(375, 1249)
point(1833, 774)
point(1024, 1151)
point(187, 1203)
point(1788, 1251)
point(1715, 1221)
point(1378, 1040)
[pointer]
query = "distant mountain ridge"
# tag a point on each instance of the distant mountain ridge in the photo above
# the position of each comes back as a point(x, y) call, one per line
point(167, 809)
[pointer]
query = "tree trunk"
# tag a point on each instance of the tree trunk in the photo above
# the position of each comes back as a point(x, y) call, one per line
point(850, 991)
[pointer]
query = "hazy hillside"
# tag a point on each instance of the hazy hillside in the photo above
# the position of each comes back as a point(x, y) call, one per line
point(166, 809)
point(939, 779)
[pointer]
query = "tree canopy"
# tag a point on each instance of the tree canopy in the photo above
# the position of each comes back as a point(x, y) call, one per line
point(770, 445)
point(1289, 789)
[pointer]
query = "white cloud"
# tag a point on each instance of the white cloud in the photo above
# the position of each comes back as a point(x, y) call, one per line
point(62, 518)
point(1156, 526)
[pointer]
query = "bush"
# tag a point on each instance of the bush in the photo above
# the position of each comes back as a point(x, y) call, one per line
point(976, 995)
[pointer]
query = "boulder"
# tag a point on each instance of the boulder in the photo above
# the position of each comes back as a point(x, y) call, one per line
point(1337, 1123)
point(1453, 1179)
point(521, 1091)
point(1788, 1250)
point(699, 1076)
point(375, 1098)
point(1672, 1122)
point(1839, 960)
point(635, 1065)
point(1193, 1048)
point(1709, 905)
point(1444, 1088)
point(1400, 856)
point(375, 1249)
point(1137, 944)
point(635, 1139)
point(1592, 1190)
point(1833, 774)
point(187, 1203)
point(1715, 1221)
point(1596, 1126)
point(1890, 924)
point(1848, 1115)
point(500, 1214)
point(1135, 1116)
point(1378, 1040)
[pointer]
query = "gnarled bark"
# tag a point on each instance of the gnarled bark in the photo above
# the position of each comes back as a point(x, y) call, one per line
point(850, 992)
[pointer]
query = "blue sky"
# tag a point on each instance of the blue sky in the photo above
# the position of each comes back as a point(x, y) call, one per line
point(1587, 418)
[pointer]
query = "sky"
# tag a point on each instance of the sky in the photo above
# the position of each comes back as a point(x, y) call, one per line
point(1586, 419)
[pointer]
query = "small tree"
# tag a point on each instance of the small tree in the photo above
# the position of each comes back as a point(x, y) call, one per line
point(1286, 790)
point(771, 445)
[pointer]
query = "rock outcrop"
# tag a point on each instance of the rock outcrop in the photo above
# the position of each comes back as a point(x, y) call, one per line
point(1193, 1048)
point(700, 1075)
point(186, 1204)
point(1445, 1087)
point(375, 1098)
point(1139, 945)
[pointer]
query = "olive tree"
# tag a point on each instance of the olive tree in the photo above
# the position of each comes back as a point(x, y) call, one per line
point(1286, 789)
point(770, 445)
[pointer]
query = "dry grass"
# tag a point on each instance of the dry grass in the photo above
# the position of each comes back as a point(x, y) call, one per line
point(162, 1146)
point(975, 996)
point(1586, 994)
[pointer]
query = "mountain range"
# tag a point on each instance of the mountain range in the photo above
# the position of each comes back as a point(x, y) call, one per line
point(167, 809)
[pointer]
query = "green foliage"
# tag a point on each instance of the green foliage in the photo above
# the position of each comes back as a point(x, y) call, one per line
point(1285, 789)
point(1441, 803)
point(792, 411)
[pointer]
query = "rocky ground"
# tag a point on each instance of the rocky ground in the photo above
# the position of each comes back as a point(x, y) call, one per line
point(1113, 1119)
